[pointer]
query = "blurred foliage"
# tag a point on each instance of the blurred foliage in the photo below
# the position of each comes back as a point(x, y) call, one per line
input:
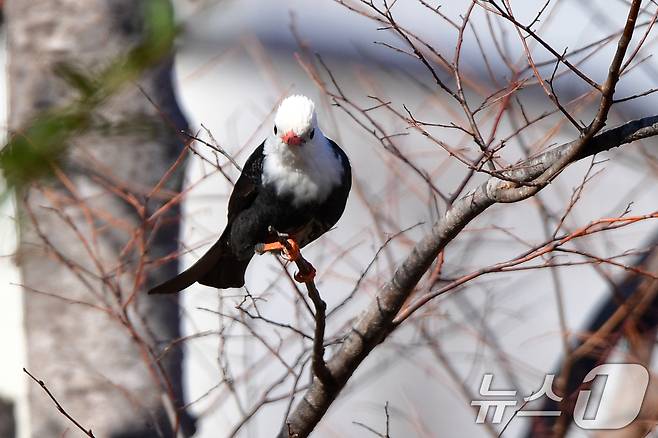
point(31, 153)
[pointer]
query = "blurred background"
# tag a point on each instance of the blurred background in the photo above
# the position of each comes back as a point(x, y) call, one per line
point(235, 60)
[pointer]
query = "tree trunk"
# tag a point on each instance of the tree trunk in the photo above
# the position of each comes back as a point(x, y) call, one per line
point(75, 230)
point(7, 419)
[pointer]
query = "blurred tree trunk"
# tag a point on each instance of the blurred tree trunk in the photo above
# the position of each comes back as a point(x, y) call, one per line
point(7, 419)
point(95, 362)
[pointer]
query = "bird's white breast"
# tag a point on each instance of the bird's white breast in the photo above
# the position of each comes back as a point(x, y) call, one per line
point(308, 173)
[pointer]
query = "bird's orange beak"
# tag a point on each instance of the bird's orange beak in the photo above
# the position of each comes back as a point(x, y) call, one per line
point(290, 138)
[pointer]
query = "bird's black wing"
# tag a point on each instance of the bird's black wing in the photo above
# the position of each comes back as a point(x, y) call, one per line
point(333, 207)
point(246, 187)
point(244, 193)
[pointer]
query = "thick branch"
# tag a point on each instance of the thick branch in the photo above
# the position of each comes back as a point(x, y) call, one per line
point(377, 321)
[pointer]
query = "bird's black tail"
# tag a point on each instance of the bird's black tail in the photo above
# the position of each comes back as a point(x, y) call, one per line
point(228, 272)
point(217, 268)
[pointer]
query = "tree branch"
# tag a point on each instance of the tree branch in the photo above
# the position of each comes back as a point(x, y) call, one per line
point(632, 304)
point(377, 321)
point(43, 386)
point(307, 273)
point(319, 365)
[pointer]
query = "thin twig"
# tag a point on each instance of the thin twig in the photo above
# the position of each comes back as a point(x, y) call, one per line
point(43, 386)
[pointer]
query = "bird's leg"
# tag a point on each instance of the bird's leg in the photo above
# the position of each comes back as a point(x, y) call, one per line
point(289, 249)
point(277, 246)
point(262, 248)
point(292, 253)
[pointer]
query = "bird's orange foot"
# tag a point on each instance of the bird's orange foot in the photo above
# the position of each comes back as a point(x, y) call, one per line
point(305, 275)
point(262, 248)
point(289, 249)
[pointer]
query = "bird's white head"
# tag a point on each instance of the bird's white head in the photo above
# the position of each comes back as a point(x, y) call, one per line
point(299, 160)
point(295, 120)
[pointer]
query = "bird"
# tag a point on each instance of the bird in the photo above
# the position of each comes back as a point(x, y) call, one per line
point(293, 188)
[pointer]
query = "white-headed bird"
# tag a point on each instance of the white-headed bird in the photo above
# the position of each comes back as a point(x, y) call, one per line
point(295, 183)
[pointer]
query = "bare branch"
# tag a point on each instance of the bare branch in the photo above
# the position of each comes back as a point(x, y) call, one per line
point(377, 321)
point(43, 386)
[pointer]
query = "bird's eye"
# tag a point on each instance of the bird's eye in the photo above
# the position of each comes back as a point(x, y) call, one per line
point(311, 134)
point(275, 130)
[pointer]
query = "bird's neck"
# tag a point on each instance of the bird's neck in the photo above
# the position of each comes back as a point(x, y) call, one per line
point(307, 173)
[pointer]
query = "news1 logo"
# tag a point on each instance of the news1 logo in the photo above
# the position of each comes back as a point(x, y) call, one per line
point(590, 413)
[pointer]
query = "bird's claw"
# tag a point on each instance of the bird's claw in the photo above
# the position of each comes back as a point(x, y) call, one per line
point(291, 251)
point(305, 275)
